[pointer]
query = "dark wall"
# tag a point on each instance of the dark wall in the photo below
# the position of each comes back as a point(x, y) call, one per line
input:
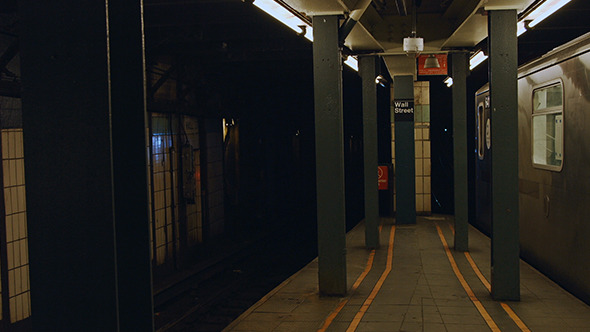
point(441, 135)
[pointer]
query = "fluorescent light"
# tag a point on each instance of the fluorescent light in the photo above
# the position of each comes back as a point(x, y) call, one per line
point(543, 11)
point(448, 81)
point(520, 28)
point(352, 63)
point(285, 16)
point(476, 59)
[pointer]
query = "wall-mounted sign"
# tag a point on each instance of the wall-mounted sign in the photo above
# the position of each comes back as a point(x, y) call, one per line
point(441, 59)
point(403, 110)
point(383, 179)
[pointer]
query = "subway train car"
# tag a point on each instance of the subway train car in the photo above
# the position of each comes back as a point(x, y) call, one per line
point(554, 159)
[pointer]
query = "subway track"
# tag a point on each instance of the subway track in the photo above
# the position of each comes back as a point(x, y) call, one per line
point(212, 298)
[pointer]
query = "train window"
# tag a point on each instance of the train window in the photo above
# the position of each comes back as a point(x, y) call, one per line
point(480, 132)
point(547, 127)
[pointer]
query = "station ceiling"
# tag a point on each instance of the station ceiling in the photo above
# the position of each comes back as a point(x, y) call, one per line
point(221, 31)
point(236, 26)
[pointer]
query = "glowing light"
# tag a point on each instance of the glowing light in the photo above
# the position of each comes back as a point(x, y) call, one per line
point(543, 11)
point(476, 59)
point(284, 16)
point(448, 81)
point(520, 28)
point(352, 62)
point(295, 23)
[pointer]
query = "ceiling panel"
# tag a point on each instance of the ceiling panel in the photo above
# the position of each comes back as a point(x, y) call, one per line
point(318, 7)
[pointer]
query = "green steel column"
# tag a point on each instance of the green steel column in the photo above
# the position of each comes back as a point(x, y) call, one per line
point(368, 70)
point(83, 79)
point(329, 137)
point(405, 164)
point(459, 63)
point(504, 105)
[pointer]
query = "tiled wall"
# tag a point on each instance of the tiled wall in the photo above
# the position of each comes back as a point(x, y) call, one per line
point(167, 198)
point(422, 147)
point(165, 188)
point(192, 180)
point(16, 217)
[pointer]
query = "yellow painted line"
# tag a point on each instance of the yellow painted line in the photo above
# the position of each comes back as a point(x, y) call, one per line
point(486, 316)
point(358, 281)
point(486, 283)
point(359, 315)
point(514, 317)
point(480, 275)
point(342, 303)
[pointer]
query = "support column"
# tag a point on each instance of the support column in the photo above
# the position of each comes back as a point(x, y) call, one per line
point(405, 164)
point(460, 63)
point(329, 138)
point(368, 70)
point(86, 171)
point(504, 106)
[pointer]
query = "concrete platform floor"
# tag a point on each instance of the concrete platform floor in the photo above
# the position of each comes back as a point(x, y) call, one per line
point(418, 290)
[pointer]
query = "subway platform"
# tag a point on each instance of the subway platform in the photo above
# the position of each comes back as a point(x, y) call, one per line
point(415, 282)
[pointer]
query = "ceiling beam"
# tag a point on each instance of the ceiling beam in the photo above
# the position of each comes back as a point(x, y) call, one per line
point(8, 55)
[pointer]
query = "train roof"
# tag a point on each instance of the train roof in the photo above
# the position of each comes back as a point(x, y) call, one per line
point(557, 55)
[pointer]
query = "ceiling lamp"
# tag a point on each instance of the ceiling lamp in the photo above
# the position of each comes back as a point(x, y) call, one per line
point(286, 16)
point(431, 62)
point(413, 45)
point(476, 59)
point(540, 13)
point(543, 11)
point(448, 81)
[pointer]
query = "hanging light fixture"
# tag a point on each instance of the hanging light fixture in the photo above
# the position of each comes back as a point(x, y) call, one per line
point(476, 59)
point(431, 62)
point(413, 45)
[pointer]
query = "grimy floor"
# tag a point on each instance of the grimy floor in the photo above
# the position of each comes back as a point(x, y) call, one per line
point(415, 283)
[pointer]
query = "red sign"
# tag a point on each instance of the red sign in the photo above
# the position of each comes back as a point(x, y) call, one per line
point(383, 179)
point(440, 70)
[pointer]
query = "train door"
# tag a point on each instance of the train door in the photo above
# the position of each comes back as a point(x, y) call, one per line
point(483, 163)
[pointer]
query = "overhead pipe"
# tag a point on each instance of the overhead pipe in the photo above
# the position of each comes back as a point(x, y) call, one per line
point(352, 19)
point(415, 4)
point(401, 7)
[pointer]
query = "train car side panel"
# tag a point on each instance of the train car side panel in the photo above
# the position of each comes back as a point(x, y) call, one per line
point(554, 203)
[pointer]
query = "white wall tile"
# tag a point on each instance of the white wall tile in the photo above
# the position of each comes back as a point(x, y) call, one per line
point(13, 166)
point(419, 203)
point(427, 203)
point(419, 168)
point(20, 172)
point(4, 144)
point(11, 282)
point(419, 185)
point(12, 304)
point(9, 225)
point(10, 254)
point(19, 144)
point(17, 281)
point(8, 200)
point(418, 149)
point(6, 172)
